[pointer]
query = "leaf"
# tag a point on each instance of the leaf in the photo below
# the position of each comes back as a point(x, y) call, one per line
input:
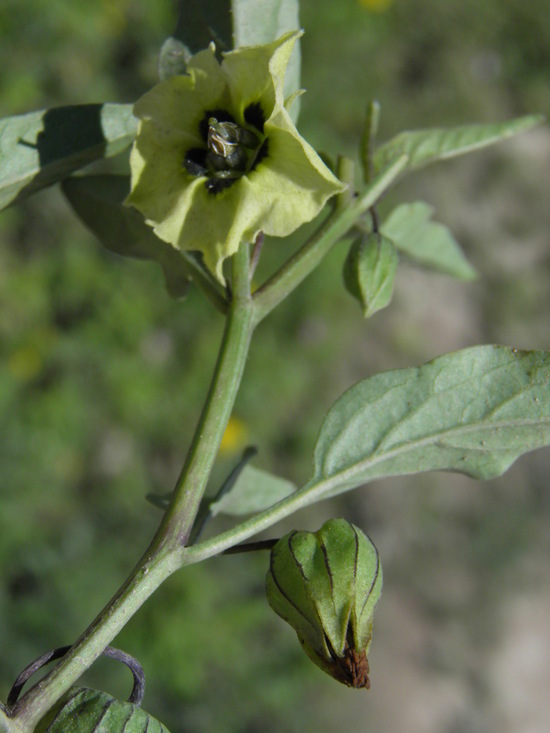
point(41, 148)
point(246, 490)
point(160, 501)
point(234, 23)
point(253, 491)
point(201, 22)
point(430, 145)
point(256, 23)
point(432, 244)
point(473, 411)
point(369, 272)
point(83, 710)
point(98, 202)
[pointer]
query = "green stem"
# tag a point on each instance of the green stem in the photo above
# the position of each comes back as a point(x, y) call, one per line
point(297, 268)
point(345, 170)
point(368, 138)
point(205, 282)
point(152, 570)
point(165, 553)
point(311, 492)
point(180, 515)
point(9, 725)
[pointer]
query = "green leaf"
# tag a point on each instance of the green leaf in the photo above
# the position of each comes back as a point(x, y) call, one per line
point(41, 148)
point(98, 202)
point(246, 490)
point(429, 243)
point(473, 411)
point(257, 23)
point(84, 710)
point(235, 23)
point(160, 501)
point(428, 146)
point(369, 272)
point(201, 22)
point(253, 491)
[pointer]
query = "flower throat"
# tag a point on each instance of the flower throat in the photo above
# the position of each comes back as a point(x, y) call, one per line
point(231, 150)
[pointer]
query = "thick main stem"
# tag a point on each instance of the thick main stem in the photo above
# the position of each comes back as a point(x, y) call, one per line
point(180, 515)
point(166, 552)
point(164, 555)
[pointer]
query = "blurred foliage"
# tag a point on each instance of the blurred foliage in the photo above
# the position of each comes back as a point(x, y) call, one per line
point(102, 376)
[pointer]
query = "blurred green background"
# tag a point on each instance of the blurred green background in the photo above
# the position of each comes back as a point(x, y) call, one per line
point(102, 377)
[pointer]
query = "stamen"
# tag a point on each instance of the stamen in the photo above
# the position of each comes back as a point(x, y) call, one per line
point(231, 150)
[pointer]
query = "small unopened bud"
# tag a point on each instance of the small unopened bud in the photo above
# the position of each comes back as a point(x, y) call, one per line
point(369, 272)
point(326, 584)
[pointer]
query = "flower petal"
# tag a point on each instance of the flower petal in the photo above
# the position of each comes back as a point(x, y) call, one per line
point(287, 187)
point(170, 113)
point(292, 183)
point(214, 224)
point(158, 176)
point(256, 74)
point(178, 104)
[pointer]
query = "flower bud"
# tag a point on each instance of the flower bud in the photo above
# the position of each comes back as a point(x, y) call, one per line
point(369, 272)
point(326, 584)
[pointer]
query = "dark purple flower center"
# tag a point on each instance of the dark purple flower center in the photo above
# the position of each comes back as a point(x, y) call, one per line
point(231, 150)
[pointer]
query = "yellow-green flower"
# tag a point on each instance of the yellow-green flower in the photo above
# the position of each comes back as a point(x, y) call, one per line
point(217, 158)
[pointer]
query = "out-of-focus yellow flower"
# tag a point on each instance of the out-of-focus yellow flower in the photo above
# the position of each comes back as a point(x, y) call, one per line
point(376, 6)
point(235, 437)
point(25, 363)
